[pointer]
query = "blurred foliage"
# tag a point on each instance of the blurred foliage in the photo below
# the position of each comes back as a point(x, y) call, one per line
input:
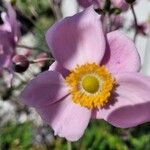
point(42, 25)
point(98, 136)
point(39, 17)
point(16, 136)
point(33, 7)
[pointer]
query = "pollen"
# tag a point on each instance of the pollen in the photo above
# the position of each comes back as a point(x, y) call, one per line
point(90, 85)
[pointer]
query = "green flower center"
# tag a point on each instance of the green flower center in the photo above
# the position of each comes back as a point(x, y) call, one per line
point(90, 84)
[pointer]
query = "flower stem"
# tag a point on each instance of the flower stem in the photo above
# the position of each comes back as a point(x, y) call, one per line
point(135, 22)
point(69, 146)
point(41, 59)
point(28, 47)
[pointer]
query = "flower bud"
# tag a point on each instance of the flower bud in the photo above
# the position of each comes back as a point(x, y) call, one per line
point(57, 2)
point(20, 63)
point(130, 1)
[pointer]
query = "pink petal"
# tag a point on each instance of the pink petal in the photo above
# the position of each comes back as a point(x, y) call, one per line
point(122, 4)
point(56, 66)
point(45, 89)
point(6, 40)
point(5, 57)
point(77, 40)
point(121, 54)
point(67, 119)
point(6, 25)
point(13, 21)
point(131, 105)
point(86, 3)
point(6, 49)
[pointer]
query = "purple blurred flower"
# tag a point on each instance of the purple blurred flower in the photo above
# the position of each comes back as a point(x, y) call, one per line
point(87, 3)
point(80, 84)
point(9, 34)
point(142, 28)
point(122, 4)
point(116, 22)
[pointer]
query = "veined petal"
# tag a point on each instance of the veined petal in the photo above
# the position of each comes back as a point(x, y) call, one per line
point(77, 40)
point(67, 119)
point(121, 54)
point(47, 88)
point(131, 105)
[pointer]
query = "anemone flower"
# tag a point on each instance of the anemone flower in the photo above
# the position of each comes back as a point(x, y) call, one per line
point(9, 34)
point(94, 76)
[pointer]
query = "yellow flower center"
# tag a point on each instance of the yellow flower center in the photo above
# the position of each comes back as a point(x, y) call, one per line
point(90, 85)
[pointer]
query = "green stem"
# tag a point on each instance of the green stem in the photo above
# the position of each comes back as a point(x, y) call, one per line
point(29, 47)
point(69, 146)
point(41, 60)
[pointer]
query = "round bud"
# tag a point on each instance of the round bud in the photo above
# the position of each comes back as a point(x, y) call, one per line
point(57, 2)
point(130, 1)
point(20, 63)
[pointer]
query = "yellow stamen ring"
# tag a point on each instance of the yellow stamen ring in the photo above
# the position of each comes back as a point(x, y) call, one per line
point(90, 85)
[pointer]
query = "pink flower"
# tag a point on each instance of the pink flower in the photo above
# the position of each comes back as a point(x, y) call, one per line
point(142, 28)
point(94, 76)
point(87, 3)
point(122, 4)
point(116, 22)
point(9, 33)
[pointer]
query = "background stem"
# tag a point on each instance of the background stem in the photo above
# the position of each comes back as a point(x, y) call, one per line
point(29, 47)
point(135, 22)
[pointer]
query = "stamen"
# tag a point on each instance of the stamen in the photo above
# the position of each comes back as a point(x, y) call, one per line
point(90, 85)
